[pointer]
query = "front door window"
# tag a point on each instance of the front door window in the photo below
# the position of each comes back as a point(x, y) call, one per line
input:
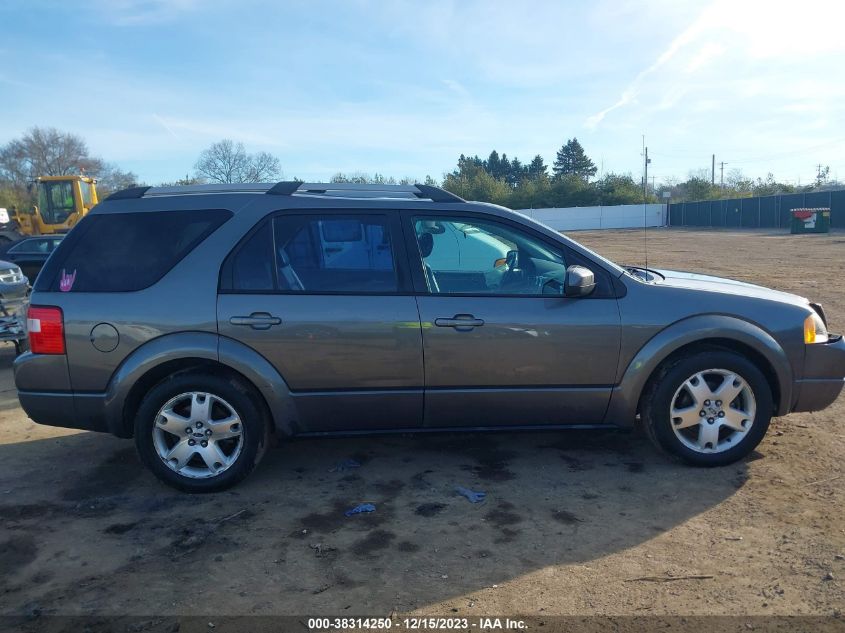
point(474, 256)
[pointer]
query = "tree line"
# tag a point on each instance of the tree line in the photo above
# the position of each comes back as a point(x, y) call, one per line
point(570, 181)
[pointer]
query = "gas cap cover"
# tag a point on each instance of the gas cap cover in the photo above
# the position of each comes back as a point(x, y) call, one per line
point(104, 337)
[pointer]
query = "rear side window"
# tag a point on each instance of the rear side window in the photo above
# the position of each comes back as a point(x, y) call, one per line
point(250, 268)
point(124, 252)
point(314, 254)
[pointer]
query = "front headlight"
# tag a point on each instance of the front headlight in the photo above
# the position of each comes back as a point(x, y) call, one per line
point(815, 330)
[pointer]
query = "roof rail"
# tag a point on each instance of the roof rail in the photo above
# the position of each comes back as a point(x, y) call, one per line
point(355, 190)
point(288, 188)
point(128, 194)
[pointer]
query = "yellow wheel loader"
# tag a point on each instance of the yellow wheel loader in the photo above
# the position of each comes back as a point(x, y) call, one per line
point(62, 202)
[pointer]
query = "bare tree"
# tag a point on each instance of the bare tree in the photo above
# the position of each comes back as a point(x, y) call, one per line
point(46, 152)
point(227, 161)
point(111, 178)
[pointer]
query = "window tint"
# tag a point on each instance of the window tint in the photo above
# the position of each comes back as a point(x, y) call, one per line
point(469, 256)
point(334, 254)
point(121, 252)
point(314, 254)
point(250, 268)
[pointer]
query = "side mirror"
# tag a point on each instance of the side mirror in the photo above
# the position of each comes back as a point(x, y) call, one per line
point(580, 282)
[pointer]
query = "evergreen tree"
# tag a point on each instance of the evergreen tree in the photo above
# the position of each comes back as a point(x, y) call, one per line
point(493, 164)
point(504, 168)
point(537, 168)
point(572, 160)
point(515, 173)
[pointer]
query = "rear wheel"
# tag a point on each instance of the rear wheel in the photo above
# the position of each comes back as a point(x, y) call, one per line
point(199, 432)
point(710, 409)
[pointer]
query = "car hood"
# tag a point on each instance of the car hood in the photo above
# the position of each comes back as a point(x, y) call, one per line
point(696, 281)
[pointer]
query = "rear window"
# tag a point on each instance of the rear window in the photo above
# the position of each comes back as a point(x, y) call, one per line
point(123, 252)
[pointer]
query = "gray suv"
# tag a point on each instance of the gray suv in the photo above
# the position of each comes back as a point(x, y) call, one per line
point(203, 320)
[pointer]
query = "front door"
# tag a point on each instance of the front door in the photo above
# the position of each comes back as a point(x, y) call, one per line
point(319, 295)
point(500, 350)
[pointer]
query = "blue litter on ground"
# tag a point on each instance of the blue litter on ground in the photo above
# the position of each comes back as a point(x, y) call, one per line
point(364, 507)
point(472, 495)
point(345, 464)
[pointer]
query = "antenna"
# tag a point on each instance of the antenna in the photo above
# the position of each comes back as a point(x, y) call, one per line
point(646, 161)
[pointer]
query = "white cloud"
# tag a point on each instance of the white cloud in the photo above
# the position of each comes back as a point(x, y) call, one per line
point(739, 35)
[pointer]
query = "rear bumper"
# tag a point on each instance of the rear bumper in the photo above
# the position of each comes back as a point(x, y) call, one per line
point(824, 375)
point(65, 410)
point(44, 391)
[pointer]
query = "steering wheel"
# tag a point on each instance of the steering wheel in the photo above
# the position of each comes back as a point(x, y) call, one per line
point(519, 272)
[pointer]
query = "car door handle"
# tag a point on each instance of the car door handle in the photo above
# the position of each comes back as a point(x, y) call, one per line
point(256, 320)
point(461, 322)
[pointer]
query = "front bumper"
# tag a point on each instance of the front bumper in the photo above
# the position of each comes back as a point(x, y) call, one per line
point(824, 375)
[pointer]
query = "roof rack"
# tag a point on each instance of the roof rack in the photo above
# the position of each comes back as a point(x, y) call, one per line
point(288, 188)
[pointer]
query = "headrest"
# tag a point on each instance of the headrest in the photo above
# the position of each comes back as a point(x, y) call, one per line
point(426, 242)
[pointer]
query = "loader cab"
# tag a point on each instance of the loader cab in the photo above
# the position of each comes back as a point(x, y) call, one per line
point(61, 202)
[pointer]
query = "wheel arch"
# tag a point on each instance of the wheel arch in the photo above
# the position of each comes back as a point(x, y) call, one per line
point(718, 344)
point(701, 332)
point(175, 353)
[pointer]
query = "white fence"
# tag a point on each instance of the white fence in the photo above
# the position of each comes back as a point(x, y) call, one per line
point(623, 216)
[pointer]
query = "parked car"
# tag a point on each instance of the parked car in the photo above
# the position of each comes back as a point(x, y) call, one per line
point(14, 295)
point(30, 253)
point(297, 309)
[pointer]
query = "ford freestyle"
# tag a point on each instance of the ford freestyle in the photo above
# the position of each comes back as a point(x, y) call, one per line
point(202, 320)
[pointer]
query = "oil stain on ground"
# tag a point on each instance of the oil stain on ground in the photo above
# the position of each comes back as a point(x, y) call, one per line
point(335, 518)
point(15, 553)
point(502, 515)
point(491, 462)
point(429, 509)
point(373, 542)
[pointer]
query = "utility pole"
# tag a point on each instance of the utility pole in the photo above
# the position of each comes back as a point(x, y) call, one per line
point(713, 170)
point(722, 177)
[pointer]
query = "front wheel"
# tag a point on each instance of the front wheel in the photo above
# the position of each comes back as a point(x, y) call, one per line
point(710, 409)
point(200, 433)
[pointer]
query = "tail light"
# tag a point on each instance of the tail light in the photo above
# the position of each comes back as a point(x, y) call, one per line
point(46, 330)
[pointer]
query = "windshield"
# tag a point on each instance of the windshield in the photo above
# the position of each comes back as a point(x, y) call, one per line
point(55, 201)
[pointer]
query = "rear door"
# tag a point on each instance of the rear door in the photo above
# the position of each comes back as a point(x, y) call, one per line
point(502, 346)
point(325, 297)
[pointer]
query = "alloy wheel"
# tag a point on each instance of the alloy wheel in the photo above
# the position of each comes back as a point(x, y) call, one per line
point(712, 410)
point(198, 435)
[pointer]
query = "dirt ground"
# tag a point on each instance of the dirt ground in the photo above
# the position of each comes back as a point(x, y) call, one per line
point(572, 521)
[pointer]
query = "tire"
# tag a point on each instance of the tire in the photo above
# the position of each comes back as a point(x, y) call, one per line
point(229, 432)
point(681, 415)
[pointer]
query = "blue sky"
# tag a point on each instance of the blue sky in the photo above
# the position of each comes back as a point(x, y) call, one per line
point(402, 88)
